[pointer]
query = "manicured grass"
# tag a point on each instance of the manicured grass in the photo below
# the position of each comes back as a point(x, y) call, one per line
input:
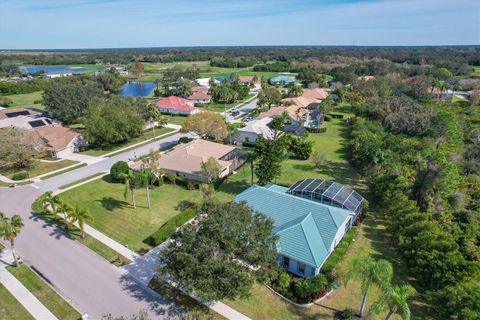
point(194, 309)
point(54, 302)
point(176, 119)
point(81, 180)
point(10, 308)
point(148, 134)
point(63, 171)
point(476, 68)
point(40, 167)
point(117, 218)
point(27, 100)
point(220, 107)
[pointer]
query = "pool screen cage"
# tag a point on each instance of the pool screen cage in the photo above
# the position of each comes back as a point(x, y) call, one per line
point(328, 192)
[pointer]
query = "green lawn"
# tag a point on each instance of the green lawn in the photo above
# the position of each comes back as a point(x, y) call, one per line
point(476, 68)
point(117, 218)
point(148, 134)
point(10, 308)
point(27, 100)
point(39, 168)
point(220, 107)
point(176, 119)
point(54, 302)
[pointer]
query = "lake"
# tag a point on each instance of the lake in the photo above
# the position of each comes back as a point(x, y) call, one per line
point(137, 89)
point(34, 69)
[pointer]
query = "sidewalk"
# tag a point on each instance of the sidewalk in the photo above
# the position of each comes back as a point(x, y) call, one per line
point(16, 288)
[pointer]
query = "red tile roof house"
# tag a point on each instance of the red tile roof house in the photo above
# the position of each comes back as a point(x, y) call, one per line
point(198, 89)
point(200, 97)
point(176, 105)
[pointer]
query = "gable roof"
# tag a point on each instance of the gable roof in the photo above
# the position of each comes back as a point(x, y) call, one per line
point(199, 96)
point(306, 228)
point(176, 103)
point(199, 89)
point(272, 112)
point(57, 138)
point(259, 127)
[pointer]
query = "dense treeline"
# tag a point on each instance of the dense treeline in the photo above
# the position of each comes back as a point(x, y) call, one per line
point(8, 88)
point(455, 59)
point(421, 160)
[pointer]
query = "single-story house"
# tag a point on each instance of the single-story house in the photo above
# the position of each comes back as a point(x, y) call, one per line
point(308, 227)
point(176, 105)
point(200, 97)
point(253, 130)
point(204, 82)
point(60, 141)
point(272, 112)
point(11, 112)
point(185, 160)
point(283, 80)
point(26, 122)
point(58, 74)
point(248, 80)
point(201, 89)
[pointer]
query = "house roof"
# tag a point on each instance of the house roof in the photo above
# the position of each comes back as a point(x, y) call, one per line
point(200, 89)
point(306, 228)
point(245, 79)
point(295, 129)
point(272, 112)
point(57, 138)
point(285, 79)
point(15, 112)
point(199, 96)
point(259, 127)
point(317, 93)
point(176, 103)
point(188, 157)
point(25, 122)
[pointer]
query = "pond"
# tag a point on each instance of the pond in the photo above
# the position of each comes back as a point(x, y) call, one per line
point(137, 89)
point(34, 69)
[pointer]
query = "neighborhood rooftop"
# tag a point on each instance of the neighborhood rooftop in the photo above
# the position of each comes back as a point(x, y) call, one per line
point(307, 229)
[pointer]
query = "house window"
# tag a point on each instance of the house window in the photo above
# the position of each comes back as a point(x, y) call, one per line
point(286, 261)
point(247, 139)
point(301, 267)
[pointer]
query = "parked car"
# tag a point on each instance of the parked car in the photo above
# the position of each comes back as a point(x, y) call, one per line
point(235, 113)
point(248, 118)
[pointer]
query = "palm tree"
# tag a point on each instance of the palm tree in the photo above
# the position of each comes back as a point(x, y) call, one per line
point(370, 272)
point(51, 203)
point(232, 130)
point(145, 178)
point(250, 157)
point(155, 116)
point(130, 181)
point(9, 230)
point(80, 215)
point(66, 210)
point(395, 298)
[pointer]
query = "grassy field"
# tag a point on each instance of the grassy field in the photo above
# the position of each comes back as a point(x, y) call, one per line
point(10, 308)
point(55, 303)
point(27, 100)
point(116, 216)
point(476, 68)
point(220, 107)
point(176, 119)
point(148, 134)
point(39, 168)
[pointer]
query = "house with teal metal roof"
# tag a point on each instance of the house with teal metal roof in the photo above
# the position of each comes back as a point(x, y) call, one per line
point(283, 80)
point(308, 230)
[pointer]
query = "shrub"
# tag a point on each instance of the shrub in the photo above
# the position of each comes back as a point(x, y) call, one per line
point(317, 130)
point(39, 101)
point(184, 140)
point(345, 314)
point(340, 251)
point(20, 175)
point(327, 117)
point(169, 227)
point(119, 168)
point(249, 144)
point(319, 158)
point(298, 148)
point(6, 102)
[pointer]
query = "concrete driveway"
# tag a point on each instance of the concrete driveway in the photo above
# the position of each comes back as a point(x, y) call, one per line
point(90, 282)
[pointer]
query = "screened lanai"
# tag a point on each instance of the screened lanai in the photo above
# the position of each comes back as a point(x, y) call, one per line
point(328, 192)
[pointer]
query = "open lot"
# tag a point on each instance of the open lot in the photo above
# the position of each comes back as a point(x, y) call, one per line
point(46, 295)
point(116, 216)
point(27, 100)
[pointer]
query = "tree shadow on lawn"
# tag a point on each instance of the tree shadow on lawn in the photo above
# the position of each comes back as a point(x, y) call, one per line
point(185, 204)
point(111, 203)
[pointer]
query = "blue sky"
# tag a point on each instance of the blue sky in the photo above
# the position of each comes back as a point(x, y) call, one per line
point(55, 24)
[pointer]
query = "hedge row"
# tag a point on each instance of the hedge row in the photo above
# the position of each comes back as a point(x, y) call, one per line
point(169, 227)
point(317, 130)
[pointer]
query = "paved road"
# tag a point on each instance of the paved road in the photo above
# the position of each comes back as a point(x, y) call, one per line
point(93, 285)
point(243, 110)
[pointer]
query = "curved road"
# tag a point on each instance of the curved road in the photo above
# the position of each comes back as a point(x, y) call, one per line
point(91, 283)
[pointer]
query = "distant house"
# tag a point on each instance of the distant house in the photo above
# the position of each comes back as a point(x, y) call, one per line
point(248, 80)
point(185, 160)
point(58, 74)
point(204, 82)
point(310, 218)
point(60, 141)
point(122, 70)
point(176, 105)
point(201, 89)
point(200, 97)
point(272, 112)
point(253, 130)
point(440, 94)
point(281, 80)
point(305, 109)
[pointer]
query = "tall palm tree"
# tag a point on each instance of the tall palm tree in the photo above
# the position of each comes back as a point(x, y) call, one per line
point(80, 215)
point(51, 203)
point(9, 230)
point(370, 272)
point(66, 210)
point(395, 298)
point(130, 181)
point(145, 178)
point(250, 157)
